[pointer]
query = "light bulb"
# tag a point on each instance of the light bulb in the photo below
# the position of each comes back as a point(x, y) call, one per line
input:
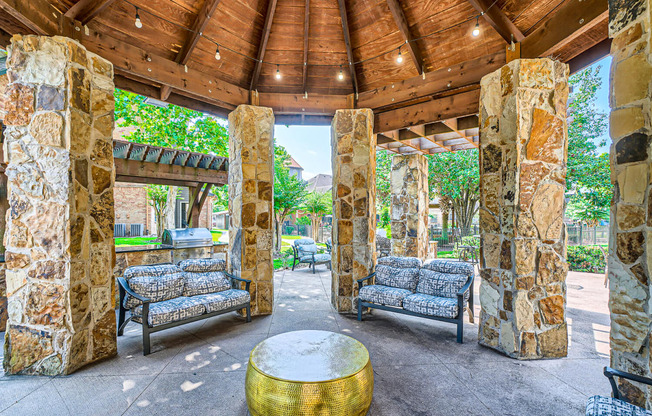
point(399, 58)
point(138, 23)
point(340, 76)
point(278, 72)
point(217, 54)
point(476, 29)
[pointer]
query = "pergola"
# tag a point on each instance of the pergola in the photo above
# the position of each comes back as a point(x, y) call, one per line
point(414, 78)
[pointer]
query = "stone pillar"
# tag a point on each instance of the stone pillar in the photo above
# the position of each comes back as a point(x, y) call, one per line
point(354, 204)
point(630, 243)
point(59, 236)
point(409, 183)
point(523, 145)
point(251, 199)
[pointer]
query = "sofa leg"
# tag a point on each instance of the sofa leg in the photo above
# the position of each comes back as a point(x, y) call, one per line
point(460, 328)
point(121, 321)
point(249, 313)
point(359, 310)
point(146, 346)
point(313, 268)
point(121, 328)
point(293, 263)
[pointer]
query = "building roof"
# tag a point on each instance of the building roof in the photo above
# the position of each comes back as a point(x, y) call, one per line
point(320, 183)
point(294, 164)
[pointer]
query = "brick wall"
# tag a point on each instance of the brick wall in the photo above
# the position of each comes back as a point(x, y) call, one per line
point(131, 204)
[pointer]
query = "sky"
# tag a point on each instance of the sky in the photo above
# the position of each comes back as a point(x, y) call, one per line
point(311, 145)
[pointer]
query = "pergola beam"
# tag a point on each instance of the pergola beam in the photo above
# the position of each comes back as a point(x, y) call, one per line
point(262, 47)
point(306, 36)
point(86, 10)
point(347, 41)
point(590, 56)
point(404, 28)
point(197, 28)
point(497, 19)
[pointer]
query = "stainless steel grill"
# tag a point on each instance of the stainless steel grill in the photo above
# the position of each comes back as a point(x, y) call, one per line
point(187, 237)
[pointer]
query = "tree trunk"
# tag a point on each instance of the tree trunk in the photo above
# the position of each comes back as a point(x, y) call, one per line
point(314, 223)
point(160, 225)
point(279, 231)
point(444, 224)
point(170, 208)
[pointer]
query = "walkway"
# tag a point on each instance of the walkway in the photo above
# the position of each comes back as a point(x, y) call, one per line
point(199, 369)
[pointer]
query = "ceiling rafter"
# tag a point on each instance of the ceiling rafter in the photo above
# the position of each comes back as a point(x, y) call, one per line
point(347, 41)
point(404, 28)
point(269, 17)
point(86, 10)
point(196, 30)
point(306, 33)
point(498, 20)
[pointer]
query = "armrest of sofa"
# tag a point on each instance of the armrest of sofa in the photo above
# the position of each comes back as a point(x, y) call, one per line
point(610, 373)
point(460, 293)
point(361, 281)
point(247, 282)
point(124, 287)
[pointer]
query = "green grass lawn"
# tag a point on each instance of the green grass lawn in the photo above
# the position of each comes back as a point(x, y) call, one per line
point(446, 255)
point(135, 241)
point(216, 235)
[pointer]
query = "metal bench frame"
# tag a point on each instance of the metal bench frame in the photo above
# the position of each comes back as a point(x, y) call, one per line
point(147, 329)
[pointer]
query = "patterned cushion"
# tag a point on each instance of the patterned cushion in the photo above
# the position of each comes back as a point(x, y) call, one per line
point(305, 246)
point(319, 258)
point(608, 406)
point(158, 283)
point(400, 272)
point(440, 284)
point(431, 305)
point(214, 302)
point(202, 265)
point(196, 283)
point(383, 295)
point(447, 266)
point(169, 311)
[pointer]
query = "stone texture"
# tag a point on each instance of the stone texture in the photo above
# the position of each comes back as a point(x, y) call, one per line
point(61, 319)
point(354, 206)
point(251, 161)
point(409, 198)
point(523, 143)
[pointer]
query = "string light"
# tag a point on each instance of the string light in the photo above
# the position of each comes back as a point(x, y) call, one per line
point(399, 58)
point(340, 76)
point(217, 53)
point(476, 29)
point(278, 72)
point(138, 23)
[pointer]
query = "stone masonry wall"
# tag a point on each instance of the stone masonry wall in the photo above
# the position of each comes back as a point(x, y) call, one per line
point(410, 197)
point(354, 204)
point(523, 146)
point(251, 196)
point(59, 236)
point(630, 253)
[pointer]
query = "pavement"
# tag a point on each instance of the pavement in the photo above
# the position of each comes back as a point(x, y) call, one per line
point(419, 369)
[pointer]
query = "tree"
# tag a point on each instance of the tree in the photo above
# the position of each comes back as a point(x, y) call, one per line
point(383, 176)
point(289, 192)
point(317, 204)
point(157, 197)
point(455, 177)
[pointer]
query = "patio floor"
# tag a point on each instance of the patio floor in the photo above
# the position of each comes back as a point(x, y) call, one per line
point(199, 369)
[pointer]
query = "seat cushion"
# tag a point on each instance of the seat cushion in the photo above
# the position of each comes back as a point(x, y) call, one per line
point(319, 258)
point(158, 283)
point(171, 310)
point(431, 305)
point(608, 406)
point(399, 272)
point(202, 265)
point(383, 295)
point(198, 283)
point(220, 301)
point(440, 284)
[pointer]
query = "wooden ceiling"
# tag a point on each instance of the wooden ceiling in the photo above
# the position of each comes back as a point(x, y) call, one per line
point(172, 57)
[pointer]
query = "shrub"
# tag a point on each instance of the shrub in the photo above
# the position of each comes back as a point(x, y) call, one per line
point(303, 220)
point(585, 259)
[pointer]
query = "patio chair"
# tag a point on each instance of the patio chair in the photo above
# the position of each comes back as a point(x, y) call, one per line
point(616, 405)
point(383, 246)
point(306, 251)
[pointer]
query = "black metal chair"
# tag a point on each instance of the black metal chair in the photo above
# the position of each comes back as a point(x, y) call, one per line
point(616, 405)
point(305, 250)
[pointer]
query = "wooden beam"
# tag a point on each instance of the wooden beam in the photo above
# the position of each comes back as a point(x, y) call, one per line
point(347, 41)
point(404, 28)
point(35, 15)
point(165, 92)
point(460, 75)
point(86, 10)
point(570, 21)
point(271, 9)
point(306, 36)
point(315, 104)
point(590, 56)
point(454, 126)
point(155, 173)
point(196, 30)
point(440, 109)
point(497, 19)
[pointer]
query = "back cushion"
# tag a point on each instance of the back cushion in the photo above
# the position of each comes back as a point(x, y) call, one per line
point(305, 246)
point(198, 283)
point(440, 284)
point(447, 266)
point(158, 283)
point(202, 265)
point(399, 272)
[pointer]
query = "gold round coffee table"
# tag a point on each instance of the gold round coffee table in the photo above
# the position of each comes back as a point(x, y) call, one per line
point(309, 373)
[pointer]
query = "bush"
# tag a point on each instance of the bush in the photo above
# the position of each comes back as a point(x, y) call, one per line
point(289, 229)
point(469, 241)
point(585, 259)
point(303, 220)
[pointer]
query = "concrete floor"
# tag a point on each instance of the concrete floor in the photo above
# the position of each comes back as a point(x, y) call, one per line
point(199, 369)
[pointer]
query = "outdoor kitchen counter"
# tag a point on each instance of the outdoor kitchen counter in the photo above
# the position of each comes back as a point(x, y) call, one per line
point(152, 247)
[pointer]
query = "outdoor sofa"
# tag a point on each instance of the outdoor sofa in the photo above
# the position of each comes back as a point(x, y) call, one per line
point(163, 296)
point(305, 250)
point(436, 290)
point(616, 405)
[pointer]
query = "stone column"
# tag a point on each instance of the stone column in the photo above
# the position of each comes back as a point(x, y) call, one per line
point(59, 236)
point(523, 145)
point(630, 243)
point(409, 183)
point(354, 204)
point(251, 199)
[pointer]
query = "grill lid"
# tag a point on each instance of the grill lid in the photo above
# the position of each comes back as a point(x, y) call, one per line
point(187, 237)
